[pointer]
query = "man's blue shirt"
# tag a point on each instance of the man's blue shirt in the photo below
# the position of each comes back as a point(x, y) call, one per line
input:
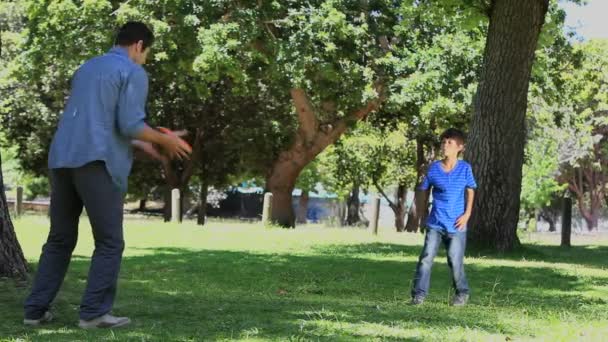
point(105, 111)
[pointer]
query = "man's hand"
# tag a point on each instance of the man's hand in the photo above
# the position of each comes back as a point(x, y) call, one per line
point(171, 144)
point(175, 148)
point(150, 150)
point(461, 223)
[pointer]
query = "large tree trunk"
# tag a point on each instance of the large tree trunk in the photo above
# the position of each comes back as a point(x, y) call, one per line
point(352, 218)
point(311, 139)
point(303, 207)
point(566, 222)
point(12, 261)
point(497, 135)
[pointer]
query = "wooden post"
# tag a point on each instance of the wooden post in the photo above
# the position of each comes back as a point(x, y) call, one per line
point(175, 206)
point(566, 222)
point(267, 208)
point(375, 214)
point(19, 202)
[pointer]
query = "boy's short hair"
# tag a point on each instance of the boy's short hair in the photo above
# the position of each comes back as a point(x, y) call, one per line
point(453, 133)
point(132, 32)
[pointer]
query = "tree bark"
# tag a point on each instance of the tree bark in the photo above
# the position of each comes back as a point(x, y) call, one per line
point(12, 261)
point(167, 206)
point(398, 206)
point(342, 213)
point(413, 219)
point(587, 181)
point(400, 197)
point(497, 134)
point(311, 139)
point(566, 222)
point(303, 207)
point(178, 173)
point(354, 204)
point(142, 204)
point(202, 204)
point(551, 222)
point(592, 221)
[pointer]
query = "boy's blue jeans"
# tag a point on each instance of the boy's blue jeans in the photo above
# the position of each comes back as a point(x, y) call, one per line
point(455, 244)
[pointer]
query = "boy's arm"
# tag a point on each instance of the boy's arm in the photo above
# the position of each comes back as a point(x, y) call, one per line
point(461, 223)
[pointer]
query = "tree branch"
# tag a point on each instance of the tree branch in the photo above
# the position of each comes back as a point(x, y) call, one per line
point(390, 203)
point(307, 118)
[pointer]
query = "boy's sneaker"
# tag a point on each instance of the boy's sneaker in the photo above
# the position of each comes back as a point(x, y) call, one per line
point(460, 300)
point(105, 321)
point(47, 317)
point(417, 300)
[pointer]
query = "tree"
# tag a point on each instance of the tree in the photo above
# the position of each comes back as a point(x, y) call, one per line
point(436, 71)
point(12, 261)
point(330, 49)
point(393, 164)
point(540, 186)
point(347, 167)
point(586, 175)
point(227, 104)
point(497, 135)
point(572, 118)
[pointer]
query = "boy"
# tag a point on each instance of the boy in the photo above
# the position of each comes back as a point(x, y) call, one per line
point(451, 181)
point(90, 160)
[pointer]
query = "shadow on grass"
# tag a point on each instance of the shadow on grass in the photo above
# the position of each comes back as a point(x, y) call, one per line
point(178, 294)
point(593, 256)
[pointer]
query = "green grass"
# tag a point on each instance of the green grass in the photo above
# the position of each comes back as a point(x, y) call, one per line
point(243, 282)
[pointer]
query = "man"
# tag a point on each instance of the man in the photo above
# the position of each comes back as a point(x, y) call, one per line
point(90, 159)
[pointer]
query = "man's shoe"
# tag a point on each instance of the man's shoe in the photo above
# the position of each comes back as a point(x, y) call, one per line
point(417, 300)
point(47, 317)
point(460, 300)
point(105, 321)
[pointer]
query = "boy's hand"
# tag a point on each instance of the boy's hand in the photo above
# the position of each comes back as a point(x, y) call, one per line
point(461, 223)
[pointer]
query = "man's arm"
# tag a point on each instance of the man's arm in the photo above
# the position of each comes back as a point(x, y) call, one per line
point(131, 115)
point(461, 223)
point(170, 143)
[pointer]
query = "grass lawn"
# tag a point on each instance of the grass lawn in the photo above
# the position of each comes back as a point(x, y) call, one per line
point(235, 281)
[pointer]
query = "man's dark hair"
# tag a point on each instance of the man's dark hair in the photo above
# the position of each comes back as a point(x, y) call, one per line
point(453, 133)
point(132, 32)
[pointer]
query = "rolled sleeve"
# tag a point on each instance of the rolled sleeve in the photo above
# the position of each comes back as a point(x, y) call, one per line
point(132, 103)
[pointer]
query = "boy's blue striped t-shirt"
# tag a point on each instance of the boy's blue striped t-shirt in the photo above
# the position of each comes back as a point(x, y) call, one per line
point(448, 189)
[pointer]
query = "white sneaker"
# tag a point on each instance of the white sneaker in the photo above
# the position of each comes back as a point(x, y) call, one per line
point(105, 321)
point(47, 317)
